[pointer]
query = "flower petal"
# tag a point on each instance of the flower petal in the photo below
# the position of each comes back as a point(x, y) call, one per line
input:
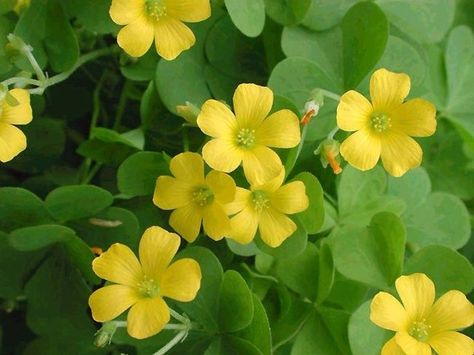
point(244, 226)
point(123, 12)
point(410, 345)
point(222, 185)
point(187, 222)
point(220, 154)
point(118, 264)
point(400, 153)
point(415, 118)
point(188, 167)
point(215, 221)
point(353, 111)
point(387, 312)
point(19, 114)
point(252, 103)
point(171, 193)
point(280, 130)
point(261, 164)
point(452, 343)
point(451, 311)
point(157, 249)
point(182, 280)
point(361, 149)
point(242, 199)
point(290, 198)
point(216, 120)
point(137, 37)
point(189, 10)
point(391, 348)
point(388, 90)
point(12, 142)
point(271, 185)
point(111, 301)
point(172, 37)
point(417, 293)
point(147, 317)
point(275, 227)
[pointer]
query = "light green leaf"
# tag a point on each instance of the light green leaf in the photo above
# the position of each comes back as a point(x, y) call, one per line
point(372, 255)
point(287, 12)
point(312, 219)
point(247, 15)
point(324, 14)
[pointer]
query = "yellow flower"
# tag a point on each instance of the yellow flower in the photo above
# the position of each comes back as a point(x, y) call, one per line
point(161, 20)
point(21, 5)
point(421, 325)
point(265, 206)
point(245, 137)
point(142, 284)
point(383, 127)
point(12, 140)
point(195, 198)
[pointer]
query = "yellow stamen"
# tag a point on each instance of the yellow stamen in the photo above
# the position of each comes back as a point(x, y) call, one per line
point(260, 200)
point(203, 196)
point(246, 138)
point(148, 287)
point(155, 9)
point(380, 122)
point(420, 330)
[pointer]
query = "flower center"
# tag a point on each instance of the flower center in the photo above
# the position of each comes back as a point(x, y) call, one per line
point(203, 196)
point(260, 200)
point(246, 138)
point(155, 9)
point(148, 287)
point(380, 122)
point(420, 330)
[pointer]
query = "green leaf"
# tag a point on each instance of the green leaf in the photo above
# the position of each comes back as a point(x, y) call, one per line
point(365, 337)
point(312, 219)
point(324, 14)
point(460, 74)
point(75, 202)
point(413, 187)
point(287, 12)
point(15, 268)
point(60, 40)
point(38, 237)
point(134, 138)
point(325, 333)
point(203, 308)
point(364, 36)
point(372, 255)
point(423, 20)
point(138, 173)
point(448, 269)
point(21, 208)
point(231, 345)
point(292, 246)
point(92, 14)
point(235, 310)
point(326, 272)
point(442, 219)
point(247, 15)
point(258, 332)
point(186, 73)
point(141, 69)
point(342, 287)
point(249, 249)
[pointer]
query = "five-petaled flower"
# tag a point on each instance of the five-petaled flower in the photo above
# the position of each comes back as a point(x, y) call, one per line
point(142, 284)
point(265, 207)
point(383, 127)
point(195, 198)
point(421, 325)
point(246, 136)
point(12, 139)
point(161, 20)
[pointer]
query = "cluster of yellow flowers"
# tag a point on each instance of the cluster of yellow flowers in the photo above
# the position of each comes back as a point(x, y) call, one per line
point(238, 139)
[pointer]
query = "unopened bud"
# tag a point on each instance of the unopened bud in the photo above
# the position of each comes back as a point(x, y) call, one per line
point(311, 109)
point(18, 44)
point(21, 5)
point(104, 335)
point(329, 154)
point(189, 112)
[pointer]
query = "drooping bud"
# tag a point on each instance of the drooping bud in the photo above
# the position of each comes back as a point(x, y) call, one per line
point(104, 335)
point(329, 154)
point(16, 43)
point(312, 106)
point(97, 250)
point(189, 112)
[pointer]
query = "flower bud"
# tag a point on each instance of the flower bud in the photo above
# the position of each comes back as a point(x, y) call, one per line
point(104, 335)
point(189, 112)
point(329, 154)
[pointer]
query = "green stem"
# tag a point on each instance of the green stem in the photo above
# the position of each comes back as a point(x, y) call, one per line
point(178, 337)
point(21, 81)
point(36, 67)
point(259, 276)
point(331, 95)
point(179, 317)
point(295, 153)
point(333, 132)
point(121, 105)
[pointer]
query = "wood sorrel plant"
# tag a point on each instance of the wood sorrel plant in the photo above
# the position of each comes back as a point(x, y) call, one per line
point(236, 177)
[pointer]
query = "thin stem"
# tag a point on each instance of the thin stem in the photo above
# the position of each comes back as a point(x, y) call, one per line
point(178, 337)
point(121, 105)
point(90, 175)
point(21, 81)
point(293, 156)
point(120, 324)
point(179, 317)
point(333, 132)
point(176, 326)
point(36, 67)
point(331, 95)
point(259, 276)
